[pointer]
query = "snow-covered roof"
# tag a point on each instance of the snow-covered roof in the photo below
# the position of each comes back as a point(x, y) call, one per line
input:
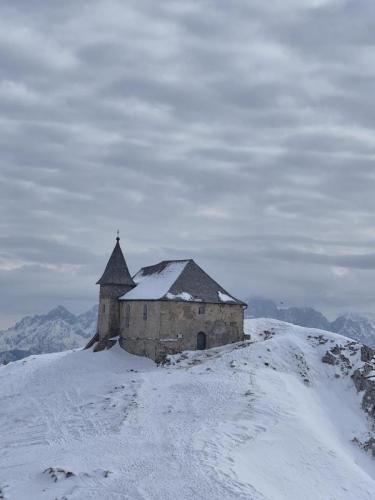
point(154, 285)
point(178, 280)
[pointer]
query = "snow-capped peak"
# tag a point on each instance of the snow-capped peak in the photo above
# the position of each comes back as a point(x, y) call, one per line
point(55, 331)
point(355, 326)
point(60, 312)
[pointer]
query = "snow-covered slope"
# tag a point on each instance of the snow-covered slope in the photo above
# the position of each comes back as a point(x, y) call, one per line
point(56, 331)
point(255, 420)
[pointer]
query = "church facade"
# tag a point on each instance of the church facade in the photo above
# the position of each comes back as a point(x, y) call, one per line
point(164, 309)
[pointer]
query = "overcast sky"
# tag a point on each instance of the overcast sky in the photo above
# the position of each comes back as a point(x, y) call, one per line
point(240, 134)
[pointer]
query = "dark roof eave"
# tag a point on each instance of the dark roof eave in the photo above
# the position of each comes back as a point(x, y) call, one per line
point(112, 283)
point(197, 301)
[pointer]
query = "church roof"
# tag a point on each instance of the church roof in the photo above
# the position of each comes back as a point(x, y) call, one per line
point(178, 280)
point(116, 271)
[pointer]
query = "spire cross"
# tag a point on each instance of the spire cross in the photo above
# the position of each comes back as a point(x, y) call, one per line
point(118, 235)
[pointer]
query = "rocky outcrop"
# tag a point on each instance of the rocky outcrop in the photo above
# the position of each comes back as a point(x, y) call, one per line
point(367, 353)
point(343, 357)
point(357, 361)
point(368, 445)
point(329, 358)
point(339, 355)
point(364, 381)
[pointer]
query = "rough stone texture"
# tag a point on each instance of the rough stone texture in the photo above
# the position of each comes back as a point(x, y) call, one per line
point(109, 309)
point(367, 354)
point(365, 382)
point(368, 401)
point(359, 377)
point(172, 327)
point(336, 356)
point(363, 377)
point(329, 358)
point(370, 446)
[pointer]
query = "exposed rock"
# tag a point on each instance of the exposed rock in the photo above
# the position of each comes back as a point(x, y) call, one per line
point(346, 365)
point(329, 358)
point(367, 354)
point(363, 377)
point(363, 382)
point(336, 350)
point(368, 401)
point(368, 445)
point(56, 473)
point(335, 356)
point(359, 380)
point(268, 334)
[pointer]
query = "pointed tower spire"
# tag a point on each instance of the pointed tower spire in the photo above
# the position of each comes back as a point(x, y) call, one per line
point(116, 271)
point(115, 281)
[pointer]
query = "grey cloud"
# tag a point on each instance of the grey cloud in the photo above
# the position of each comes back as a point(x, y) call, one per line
point(240, 134)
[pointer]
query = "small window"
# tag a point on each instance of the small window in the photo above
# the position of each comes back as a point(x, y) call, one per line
point(201, 310)
point(145, 312)
point(103, 308)
point(127, 318)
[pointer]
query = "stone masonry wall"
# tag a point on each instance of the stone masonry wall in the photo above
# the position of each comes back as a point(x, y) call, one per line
point(172, 327)
point(109, 309)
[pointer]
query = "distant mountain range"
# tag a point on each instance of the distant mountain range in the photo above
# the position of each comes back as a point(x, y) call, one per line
point(58, 330)
point(353, 326)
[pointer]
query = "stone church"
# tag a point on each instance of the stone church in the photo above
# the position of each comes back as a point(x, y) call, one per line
point(164, 309)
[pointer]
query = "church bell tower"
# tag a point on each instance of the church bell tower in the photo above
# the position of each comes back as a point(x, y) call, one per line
point(115, 281)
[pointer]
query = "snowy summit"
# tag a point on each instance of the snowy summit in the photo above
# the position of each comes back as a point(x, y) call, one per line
point(284, 416)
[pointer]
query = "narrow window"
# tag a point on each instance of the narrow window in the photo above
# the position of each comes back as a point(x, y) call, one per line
point(145, 312)
point(201, 310)
point(127, 318)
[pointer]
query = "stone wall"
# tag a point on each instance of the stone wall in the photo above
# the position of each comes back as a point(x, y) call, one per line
point(109, 309)
point(172, 327)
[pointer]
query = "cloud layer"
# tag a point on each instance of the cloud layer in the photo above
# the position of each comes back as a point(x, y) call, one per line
point(236, 133)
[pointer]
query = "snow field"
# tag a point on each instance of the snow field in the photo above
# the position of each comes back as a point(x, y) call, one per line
point(264, 419)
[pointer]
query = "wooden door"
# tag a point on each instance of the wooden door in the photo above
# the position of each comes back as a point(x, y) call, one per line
point(201, 341)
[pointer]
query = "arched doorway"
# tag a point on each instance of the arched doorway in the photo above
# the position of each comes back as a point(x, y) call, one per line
point(201, 341)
